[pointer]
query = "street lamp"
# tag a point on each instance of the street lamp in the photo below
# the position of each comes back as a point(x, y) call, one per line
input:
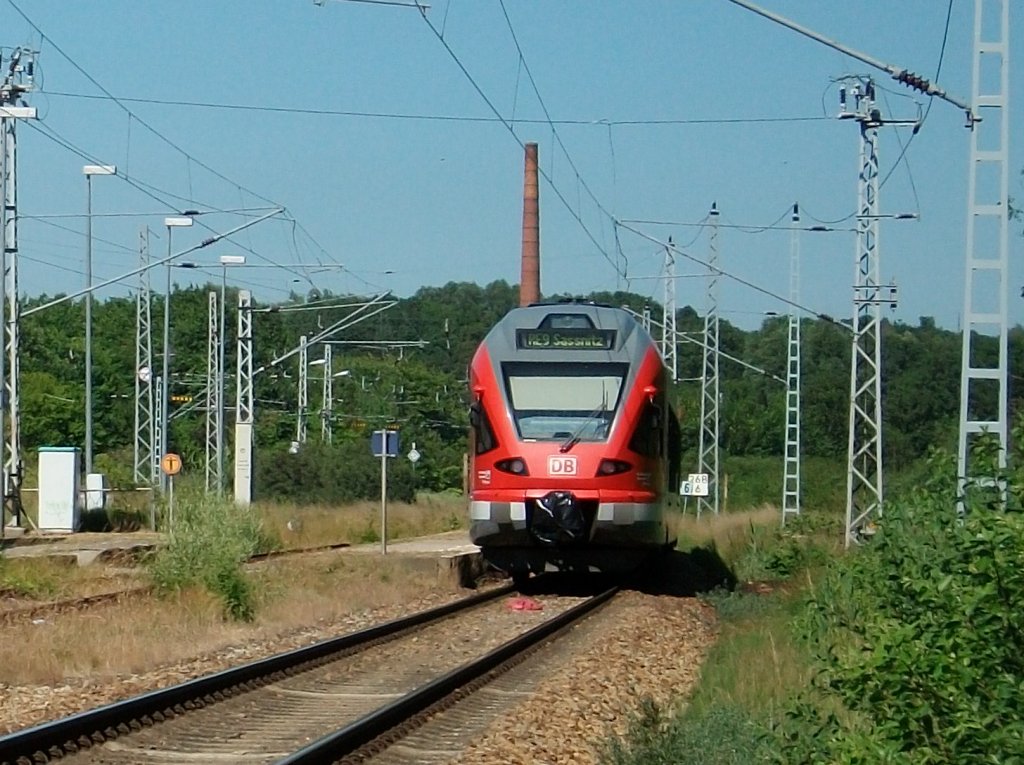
point(89, 171)
point(225, 261)
point(171, 223)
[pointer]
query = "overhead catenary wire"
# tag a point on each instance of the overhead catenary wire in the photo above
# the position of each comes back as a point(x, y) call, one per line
point(599, 122)
point(738, 279)
point(508, 126)
point(136, 118)
point(152, 264)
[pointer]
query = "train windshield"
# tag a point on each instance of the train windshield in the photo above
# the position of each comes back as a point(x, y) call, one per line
point(564, 402)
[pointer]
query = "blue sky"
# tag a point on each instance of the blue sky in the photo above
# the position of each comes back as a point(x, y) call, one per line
point(406, 199)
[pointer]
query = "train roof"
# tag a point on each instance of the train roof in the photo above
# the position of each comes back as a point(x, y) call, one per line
point(568, 331)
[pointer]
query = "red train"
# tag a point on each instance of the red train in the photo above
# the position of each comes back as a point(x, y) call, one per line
point(573, 444)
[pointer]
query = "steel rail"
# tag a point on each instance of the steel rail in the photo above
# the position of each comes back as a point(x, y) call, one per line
point(344, 741)
point(107, 721)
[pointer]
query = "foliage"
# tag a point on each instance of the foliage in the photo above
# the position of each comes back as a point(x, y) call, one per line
point(920, 641)
point(26, 578)
point(722, 735)
point(208, 544)
point(331, 474)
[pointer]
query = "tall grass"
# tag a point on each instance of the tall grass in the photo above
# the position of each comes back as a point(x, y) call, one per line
point(208, 543)
point(757, 661)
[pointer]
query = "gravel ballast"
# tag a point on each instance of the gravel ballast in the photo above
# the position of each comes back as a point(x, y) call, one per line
point(641, 645)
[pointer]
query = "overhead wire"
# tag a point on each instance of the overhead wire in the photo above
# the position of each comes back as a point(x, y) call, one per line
point(582, 122)
point(737, 279)
point(154, 193)
point(131, 115)
point(508, 126)
point(580, 181)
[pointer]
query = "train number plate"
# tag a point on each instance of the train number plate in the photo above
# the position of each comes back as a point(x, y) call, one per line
point(561, 464)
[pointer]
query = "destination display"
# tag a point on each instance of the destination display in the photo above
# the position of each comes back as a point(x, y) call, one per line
point(565, 339)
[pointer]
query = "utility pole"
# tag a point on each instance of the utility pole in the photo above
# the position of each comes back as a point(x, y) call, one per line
point(709, 399)
point(668, 329)
point(16, 83)
point(300, 425)
point(327, 402)
point(213, 476)
point(145, 457)
point(986, 265)
point(791, 476)
point(864, 485)
point(244, 402)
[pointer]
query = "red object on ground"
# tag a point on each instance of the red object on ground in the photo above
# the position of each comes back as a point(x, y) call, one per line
point(523, 604)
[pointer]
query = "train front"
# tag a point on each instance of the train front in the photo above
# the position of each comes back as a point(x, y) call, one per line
point(573, 445)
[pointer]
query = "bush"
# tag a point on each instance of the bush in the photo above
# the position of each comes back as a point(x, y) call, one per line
point(722, 735)
point(331, 474)
point(920, 640)
point(207, 545)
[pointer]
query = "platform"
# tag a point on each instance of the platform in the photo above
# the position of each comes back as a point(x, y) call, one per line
point(450, 556)
point(82, 548)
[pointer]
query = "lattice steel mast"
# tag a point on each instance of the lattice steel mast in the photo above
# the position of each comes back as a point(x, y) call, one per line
point(864, 463)
point(983, 385)
point(300, 425)
point(145, 456)
point(214, 480)
point(327, 401)
point(669, 347)
point(17, 82)
point(244, 402)
point(709, 400)
point(791, 474)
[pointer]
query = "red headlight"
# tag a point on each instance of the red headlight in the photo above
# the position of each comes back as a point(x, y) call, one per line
point(613, 467)
point(515, 466)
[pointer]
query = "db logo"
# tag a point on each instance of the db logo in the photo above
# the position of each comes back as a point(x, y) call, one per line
point(561, 465)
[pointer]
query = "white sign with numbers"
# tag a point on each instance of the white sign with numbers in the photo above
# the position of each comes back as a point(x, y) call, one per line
point(695, 485)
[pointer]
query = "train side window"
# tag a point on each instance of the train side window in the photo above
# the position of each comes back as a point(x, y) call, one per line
point(481, 433)
point(646, 439)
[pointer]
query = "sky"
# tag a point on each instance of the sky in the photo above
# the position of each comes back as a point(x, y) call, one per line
point(393, 141)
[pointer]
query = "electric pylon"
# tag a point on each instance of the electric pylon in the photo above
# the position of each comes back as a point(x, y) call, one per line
point(145, 454)
point(983, 383)
point(709, 400)
point(791, 477)
point(244, 402)
point(669, 348)
point(16, 83)
point(864, 493)
point(327, 402)
point(300, 425)
point(214, 480)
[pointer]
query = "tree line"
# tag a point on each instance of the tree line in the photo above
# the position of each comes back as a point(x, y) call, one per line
point(421, 390)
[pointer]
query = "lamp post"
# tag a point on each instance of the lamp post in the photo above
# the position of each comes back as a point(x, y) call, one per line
point(89, 171)
point(225, 261)
point(171, 223)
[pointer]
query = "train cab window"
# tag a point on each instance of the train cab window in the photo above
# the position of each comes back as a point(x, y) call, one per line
point(646, 439)
point(566, 321)
point(561, 402)
point(481, 434)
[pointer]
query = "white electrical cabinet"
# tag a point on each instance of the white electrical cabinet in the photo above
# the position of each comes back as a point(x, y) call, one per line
point(59, 487)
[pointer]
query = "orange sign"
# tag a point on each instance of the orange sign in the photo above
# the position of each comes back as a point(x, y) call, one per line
point(170, 463)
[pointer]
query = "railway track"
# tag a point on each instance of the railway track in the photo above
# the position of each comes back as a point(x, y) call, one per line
point(289, 708)
point(23, 613)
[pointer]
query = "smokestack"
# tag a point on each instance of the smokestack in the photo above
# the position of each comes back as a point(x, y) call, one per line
point(529, 284)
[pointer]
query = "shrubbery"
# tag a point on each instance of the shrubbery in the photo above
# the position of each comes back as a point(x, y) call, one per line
point(920, 641)
point(331, 474)
point(207, 545)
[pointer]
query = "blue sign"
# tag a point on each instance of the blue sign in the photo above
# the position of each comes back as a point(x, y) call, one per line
point(384, 442)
